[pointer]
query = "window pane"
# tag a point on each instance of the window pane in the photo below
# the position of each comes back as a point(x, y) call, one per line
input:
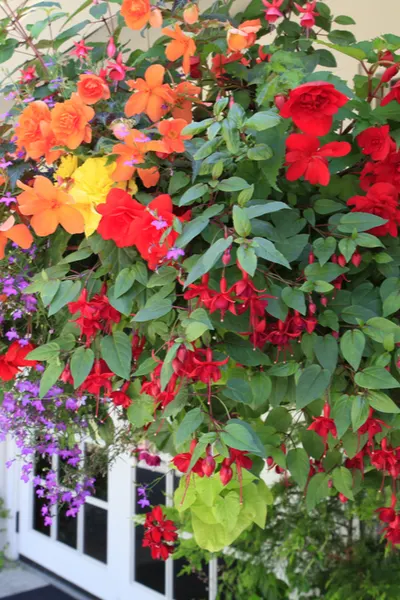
point(149, 572)
point(67, 531)
point(95, 532)
point(190, 586)
point(97, 458)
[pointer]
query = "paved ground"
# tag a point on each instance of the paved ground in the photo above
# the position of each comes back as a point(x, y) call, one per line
point(17, 577)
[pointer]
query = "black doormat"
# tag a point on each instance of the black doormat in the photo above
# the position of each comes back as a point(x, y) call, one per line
point(44, 593)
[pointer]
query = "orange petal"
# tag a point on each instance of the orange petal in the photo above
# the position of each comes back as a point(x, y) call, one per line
point(137, 103)
point(149, 177)
point(44, 223)
point(3, 242)
point(174, 50)
point(155, 75)
point(21, 235)
point(71, 219)
point(154, 108)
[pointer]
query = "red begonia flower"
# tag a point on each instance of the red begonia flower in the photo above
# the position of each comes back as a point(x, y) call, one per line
point(376, 142)
point(381, 200)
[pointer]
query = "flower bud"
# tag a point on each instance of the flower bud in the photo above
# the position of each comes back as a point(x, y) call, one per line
point(270, 462)
point(312, 308)
point(324, 301)
point(342, 260)
point(226, 257)
point(280, 100)
point(191, 14)
point(343, 498)
point(226, 475)
point(334, 259)
point(111, 48)
point(311, 258)
point(389, 73)
point(356, 259)
point(208, 467)
point(156, 18)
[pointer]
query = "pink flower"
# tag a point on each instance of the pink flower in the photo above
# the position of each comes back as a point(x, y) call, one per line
point(81, 50)
point(272, 14)
point(308, 19)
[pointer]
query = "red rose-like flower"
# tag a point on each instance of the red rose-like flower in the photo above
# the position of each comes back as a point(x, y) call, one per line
point(14, 360)
point(312, 106)
point(376, 142)
point(304, 156)
point(381, 200)
point(119, 215)
point(160, 534)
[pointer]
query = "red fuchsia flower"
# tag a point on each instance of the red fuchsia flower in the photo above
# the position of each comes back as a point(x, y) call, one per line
point(183, 363)
point(324, 425)
point(120, 397)
point(381, 200)
point(208, 370)
point(394, 94)
point(220, 60)
point(209, 463)
point(223, 300)
point(309, 13)
point(392, 531)
point(111, 48)
point(95, 315)
point(98, 380)
point(262, 56)
point(372, 426)
point(81, 50)
point(376, 142)
point(357, 462)
point(153, 388)
point(343, 499)
point(282, 333)
point(306, 157)
point(14, 360)
point(200, 291)
point(312, 106)
point(116, 70)
point(386, 460)
point(160, 534)
point(272, 14)
point(241, 460)
point(387, 514)
point(28, 75)
point(182, 461)
point(138, 344)
point(390, 73)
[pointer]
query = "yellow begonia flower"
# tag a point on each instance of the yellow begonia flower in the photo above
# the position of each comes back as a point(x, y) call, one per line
point(67, 166)
point(92, 182)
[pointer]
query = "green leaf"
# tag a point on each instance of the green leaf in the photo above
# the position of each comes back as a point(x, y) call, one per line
point(76, 256)
point(343, 481)
point(391, 304)
point(178, 181)
point(146, 367)
point(230, 134)
point(298, 464)
point(7, 49)
point(141, 412)
point(193, 193)
point(347, 247)
point(313, 443)
point(243, 352)
point(190, 423)
point(67, 34)
point(266, 249)
point(50, 377)
point(339, 36)
point(341, 414)
point(326, 351)
point(379, 328)
point(226, 510)
point(381, 402)
point(116, 350)
point(279, 418)
point(81, 364)
point(359, 411)
point(124, 282)
point(376, 378)
point(167, 369)
point(356, 53)
point(263, 120)
point(344, 20)
point(311, 385)
point(247, 259)
point(67, 292)
point(233, 184)
point(359, 221)
point(241, 221)
point(325, 206)
point(259, 152)
point(324, 248)
point(327, 272)
point(154, 308)
point(163, 276)
point(317, 489)
point(208, 260)
point(49, 290)
point(352, 345)
point(196, 127)
point(238, 390)
point(190, 231)
point(239, 435)
point(46, 352)
point(294, 298)
point(264, 209)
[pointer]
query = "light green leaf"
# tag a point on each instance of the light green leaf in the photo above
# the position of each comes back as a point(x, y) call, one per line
point(81, 364)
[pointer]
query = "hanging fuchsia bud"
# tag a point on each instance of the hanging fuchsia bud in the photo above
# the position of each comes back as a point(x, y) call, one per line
point(334, 259)
point(270, 462)
point(312, 308)
point(208, 465)
point(280, 100)
point(311, 258)
point(111, 48)
point(225, 474)
point(335, 334)
point(324, 301)
point(343, 498)
point(342, 261)
point(226, 257)
point(356, 259)
point(390, 73)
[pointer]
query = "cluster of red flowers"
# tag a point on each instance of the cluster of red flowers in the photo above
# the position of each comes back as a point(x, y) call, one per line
point(148, 228)
point(95, 315)
point(194, 365)
point(14, 360)
point(160, 534)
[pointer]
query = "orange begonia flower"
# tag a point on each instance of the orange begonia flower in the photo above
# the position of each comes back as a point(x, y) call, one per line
point(191, 14)
point(49, 207)
point(19, 234)
point(244, 36)
point(34, 133)
point(131, 153)
point(92, 88)
point(152, 96)
point(171, 130)
point(181, 45)
point(185, 94)
point(70, 122)
point(137, 13)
